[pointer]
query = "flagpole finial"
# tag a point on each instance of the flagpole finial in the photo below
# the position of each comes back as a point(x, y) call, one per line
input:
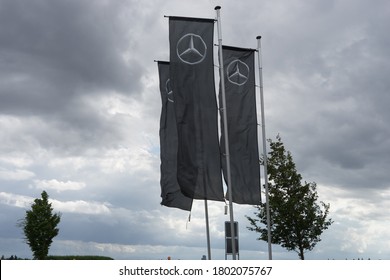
point(217, 8)
point(258, 37)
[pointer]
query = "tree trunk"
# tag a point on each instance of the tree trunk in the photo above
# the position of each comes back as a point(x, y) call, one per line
point(301, 254)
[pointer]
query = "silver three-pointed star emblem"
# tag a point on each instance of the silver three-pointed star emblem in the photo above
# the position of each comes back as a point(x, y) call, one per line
point(191, 49)
point(169, 91)
point(237, 72)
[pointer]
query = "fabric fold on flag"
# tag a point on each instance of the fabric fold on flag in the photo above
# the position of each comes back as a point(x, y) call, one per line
point(239, 71)
point(192, 81)
point(170, 191)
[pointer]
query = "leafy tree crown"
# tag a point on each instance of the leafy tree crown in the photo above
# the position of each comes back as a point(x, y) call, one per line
point(40, 226)
point(297, 218)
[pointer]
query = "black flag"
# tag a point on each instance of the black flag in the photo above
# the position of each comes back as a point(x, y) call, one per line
point(170, 190)
point(240, 91)
point(192, 80)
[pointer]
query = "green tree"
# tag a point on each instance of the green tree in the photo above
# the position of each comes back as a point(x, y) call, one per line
point(40, 226)
point(297, 219)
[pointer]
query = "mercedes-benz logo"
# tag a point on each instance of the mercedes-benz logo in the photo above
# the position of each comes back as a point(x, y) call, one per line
point(169, 91)
point(191, 49)
point(237, 72)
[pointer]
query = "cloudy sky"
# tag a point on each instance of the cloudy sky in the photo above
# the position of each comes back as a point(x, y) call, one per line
point(80, 108)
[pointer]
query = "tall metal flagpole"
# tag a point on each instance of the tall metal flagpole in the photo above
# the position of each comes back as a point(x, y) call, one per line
point(206, 211)
point(264, 146)
point(228, 173)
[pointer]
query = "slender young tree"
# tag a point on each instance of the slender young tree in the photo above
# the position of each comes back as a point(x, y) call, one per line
point(40, 226)
point(297, 218)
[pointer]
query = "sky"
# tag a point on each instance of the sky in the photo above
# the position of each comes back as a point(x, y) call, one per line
point(80, 108)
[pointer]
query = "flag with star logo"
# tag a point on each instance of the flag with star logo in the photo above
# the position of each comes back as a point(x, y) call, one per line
point(170, 191)
point(193, 85)
point(240, 91)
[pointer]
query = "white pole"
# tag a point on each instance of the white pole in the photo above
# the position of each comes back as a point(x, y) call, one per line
point(264, 146)
point(207, 229)
point(228, 173)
